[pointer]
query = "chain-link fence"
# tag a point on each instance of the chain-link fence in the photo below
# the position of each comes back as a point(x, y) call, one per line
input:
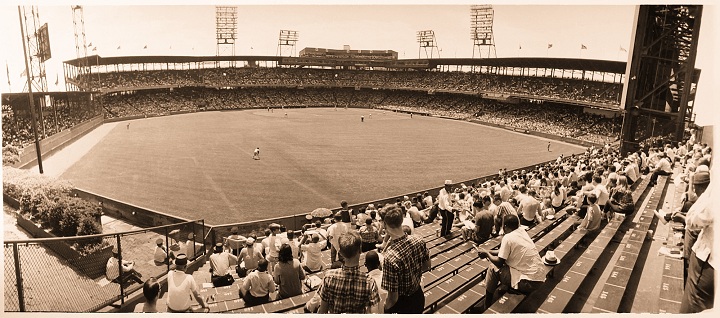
point(72, 275)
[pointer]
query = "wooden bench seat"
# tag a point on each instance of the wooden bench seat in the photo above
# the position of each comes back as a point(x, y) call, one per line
point(614, 288)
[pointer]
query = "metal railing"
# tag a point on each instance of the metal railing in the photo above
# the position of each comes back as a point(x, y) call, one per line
point(51, 274)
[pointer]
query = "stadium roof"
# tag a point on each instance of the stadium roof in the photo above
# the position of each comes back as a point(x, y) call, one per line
point(95, 60)
point(528, 62)
point(538, 62)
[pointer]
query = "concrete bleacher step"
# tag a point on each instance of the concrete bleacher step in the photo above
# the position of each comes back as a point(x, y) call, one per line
point(466, 271)
point(576, 277)
point(615, 286)
point(672, 280)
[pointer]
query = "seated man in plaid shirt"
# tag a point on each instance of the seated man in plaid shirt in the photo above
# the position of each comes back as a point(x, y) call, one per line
point(347, 289)
point(406, 258)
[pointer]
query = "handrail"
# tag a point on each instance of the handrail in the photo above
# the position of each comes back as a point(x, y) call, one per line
point(83, 237)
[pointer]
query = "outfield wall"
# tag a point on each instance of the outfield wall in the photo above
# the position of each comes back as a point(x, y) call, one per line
point(57, 141)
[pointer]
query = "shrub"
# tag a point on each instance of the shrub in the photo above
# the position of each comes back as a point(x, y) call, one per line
point(10, 155)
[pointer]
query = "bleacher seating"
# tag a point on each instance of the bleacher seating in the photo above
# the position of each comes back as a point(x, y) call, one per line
point(672, 280)
point(613, 291)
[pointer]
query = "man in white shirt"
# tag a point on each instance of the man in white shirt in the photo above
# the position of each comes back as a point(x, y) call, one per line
point(517, 264)
point(600, 191)
point(529, 208)
point(112, 269)
point(334, 232)
point(445, 208)
point(258, 285)
point(313, 252)
point(663, 168)
point(220, 266)
point(160, 255)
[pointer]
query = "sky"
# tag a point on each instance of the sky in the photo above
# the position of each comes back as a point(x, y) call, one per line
point(189, 29)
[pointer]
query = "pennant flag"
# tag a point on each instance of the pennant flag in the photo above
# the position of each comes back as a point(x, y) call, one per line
point(583, 47)
point(145, 47)
point(622, 49)
point(89, 45)
point(8, 72)
point(57, 79)
point(520, 47)
point(23, 74)
point(95, 49)
point(549, 45)
point(118, 47)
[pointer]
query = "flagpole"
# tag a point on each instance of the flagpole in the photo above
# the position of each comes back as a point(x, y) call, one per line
point(30, 93)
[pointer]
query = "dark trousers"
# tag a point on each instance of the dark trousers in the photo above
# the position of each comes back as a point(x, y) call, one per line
point(433, 214)
point(411, 304)
point(699, 291)
point(654, 177)
point(251, 300)
point(525, 222)
point(447, 222)
point(367, 246)
point(497, 278)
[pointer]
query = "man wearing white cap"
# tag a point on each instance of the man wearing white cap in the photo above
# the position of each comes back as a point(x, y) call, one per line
point(112, 269)
point(445, 208)
point(160, 255)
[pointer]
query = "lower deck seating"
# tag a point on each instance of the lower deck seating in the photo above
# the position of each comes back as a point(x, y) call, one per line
point(614, 288)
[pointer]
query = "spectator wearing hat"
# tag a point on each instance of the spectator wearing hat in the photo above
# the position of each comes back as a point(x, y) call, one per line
point(288, 273)
point(312, 246)
point(249, 257)
point(699, 292)
point(258, 285)
point(405, 259)
point(161, 255)
point(334, 232)
point(113, 269)
point(445, 209)
point(220, 262)
point(348, 290)
point(182, 288)
point(192, 248)
point(274, 242)
point(516, 264)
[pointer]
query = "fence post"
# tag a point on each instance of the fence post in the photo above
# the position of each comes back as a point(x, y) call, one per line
point(193, 242)
point(120, 270)
point(167, 245)
point(18, 278)
point(203, 237)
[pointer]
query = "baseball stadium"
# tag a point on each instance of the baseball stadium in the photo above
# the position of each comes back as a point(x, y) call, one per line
point(358, 180)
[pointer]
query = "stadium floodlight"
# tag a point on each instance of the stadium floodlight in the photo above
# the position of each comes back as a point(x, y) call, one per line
point(287, 39)
point(225, 30)
point(481, 30)
point(426, 40)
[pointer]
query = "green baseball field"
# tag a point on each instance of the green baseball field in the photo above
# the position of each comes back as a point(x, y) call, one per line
point(200, 165)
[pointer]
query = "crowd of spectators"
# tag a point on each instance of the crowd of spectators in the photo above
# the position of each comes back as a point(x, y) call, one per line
point(550, 87)
point(558, 119)
point(593, 187)
point(17, 128)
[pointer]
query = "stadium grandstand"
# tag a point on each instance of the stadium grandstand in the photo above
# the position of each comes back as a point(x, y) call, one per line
point(595, 229)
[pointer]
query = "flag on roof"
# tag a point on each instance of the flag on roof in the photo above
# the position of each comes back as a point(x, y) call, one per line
point(549, 45)
point(583, 47)
point(89, 44)
point(145, 47)
point(520, 47)
point(94, 49)
point(622, 49)
point(8, 71)
point(118, 47)
point(57, 79)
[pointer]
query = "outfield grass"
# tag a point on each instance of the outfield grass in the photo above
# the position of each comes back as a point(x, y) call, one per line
point(199, 165)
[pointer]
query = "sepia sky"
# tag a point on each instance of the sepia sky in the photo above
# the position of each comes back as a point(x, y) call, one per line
point(189, 29)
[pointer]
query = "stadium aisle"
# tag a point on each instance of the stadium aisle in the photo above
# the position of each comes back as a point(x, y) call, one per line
point(57, 163)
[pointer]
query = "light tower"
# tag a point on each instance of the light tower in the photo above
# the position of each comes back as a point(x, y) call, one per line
point(287, 39)
point(83, 78)
point(426, 40)
point(481, 25)
point(226, 30)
